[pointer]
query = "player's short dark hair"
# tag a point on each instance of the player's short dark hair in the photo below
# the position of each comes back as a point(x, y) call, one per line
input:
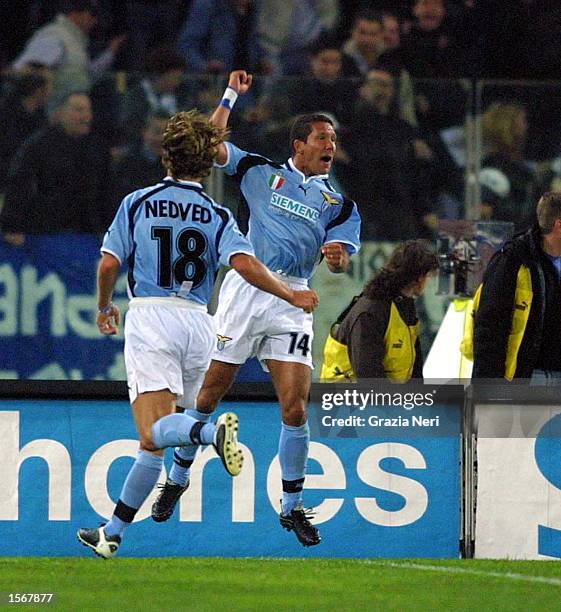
point(303, 125)
point(549, 210)
point(190, 145)
point(409, 261)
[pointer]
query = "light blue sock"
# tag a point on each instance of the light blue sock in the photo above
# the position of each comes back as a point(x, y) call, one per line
point(140, 481)
point(183, 456)
point(181, 430)
point(294, 443)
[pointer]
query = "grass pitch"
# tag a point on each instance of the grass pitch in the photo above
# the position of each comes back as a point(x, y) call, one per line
point(229, 585)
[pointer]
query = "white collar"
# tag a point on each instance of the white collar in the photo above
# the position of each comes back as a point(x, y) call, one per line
point(191, 183)
point(305, 178)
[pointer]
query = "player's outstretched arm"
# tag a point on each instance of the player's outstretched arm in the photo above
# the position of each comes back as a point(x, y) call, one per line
point(336, 256)
point(238, 84)
point(255, 273)
point(108, 315)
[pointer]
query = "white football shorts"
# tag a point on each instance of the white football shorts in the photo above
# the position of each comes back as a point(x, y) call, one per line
point(168, 344)
point(252, 323)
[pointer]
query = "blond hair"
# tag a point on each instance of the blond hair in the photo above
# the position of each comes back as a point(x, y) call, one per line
point(499, 131)
point(548, 210)
point(190, 145)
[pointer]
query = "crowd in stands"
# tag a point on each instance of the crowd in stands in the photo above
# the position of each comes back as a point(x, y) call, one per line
point(89, 84)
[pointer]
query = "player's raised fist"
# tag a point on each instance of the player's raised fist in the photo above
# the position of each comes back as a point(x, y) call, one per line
point(307, 300)
point(240, 81)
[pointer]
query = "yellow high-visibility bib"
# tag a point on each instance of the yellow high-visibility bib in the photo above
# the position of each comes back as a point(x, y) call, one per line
point(399, 354)
point(523, 297)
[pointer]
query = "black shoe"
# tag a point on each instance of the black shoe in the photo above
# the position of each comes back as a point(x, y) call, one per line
point(163, 507)
point(226, 443)
point(103, 545)
point(298, 521)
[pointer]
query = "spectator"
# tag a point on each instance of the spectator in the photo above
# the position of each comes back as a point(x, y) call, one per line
point(391, 29)
point(377, 335)
point(325, 90)
point(160, 91)
point(22, 112)
point(430, 48)
point(392, 190)
point(220, 35)
point(392, 60)
point(517, 324)
point(58, 179)
point(431, 52)
point(366, 49)
point(287, 28)
point(63, 45)
point(141, 163)
point(505, 129)
point(365, 44)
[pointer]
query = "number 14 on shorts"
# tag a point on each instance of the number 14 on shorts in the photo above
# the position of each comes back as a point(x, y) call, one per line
point(300, 342)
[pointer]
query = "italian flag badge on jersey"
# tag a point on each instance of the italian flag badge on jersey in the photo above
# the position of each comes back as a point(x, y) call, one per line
point(276, 181)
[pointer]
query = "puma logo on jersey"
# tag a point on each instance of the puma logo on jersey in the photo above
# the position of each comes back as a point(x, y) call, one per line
point(221, 342)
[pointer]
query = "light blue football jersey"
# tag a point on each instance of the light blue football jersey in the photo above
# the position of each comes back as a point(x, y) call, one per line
point(173, 237)
point(290, 215)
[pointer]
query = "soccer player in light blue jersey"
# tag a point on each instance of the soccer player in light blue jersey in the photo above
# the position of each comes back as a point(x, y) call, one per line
point(295, 218)
point(173, 237)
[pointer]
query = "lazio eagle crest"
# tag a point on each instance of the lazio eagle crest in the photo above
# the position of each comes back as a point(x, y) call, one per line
point(221, 342)
point(332, 198)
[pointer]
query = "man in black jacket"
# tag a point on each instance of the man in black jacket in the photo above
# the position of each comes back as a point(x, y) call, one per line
point(57, 181)
point(517, 327)
point(392, 187)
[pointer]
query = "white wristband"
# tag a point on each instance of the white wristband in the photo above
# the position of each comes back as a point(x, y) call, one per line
point(229, 98)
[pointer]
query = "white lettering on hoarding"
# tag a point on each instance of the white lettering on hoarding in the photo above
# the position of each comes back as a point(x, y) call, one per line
point(414, 493)
point(12, 457)
point(33, 293)
point(95, 480)
point(8, 301)
point(23, 297)
point(332, 477)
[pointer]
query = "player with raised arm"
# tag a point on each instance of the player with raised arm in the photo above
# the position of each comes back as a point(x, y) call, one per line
point(295, 217)
point(173, 237)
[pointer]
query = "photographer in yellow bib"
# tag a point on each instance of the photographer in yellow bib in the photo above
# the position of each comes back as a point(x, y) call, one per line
point(377, 335)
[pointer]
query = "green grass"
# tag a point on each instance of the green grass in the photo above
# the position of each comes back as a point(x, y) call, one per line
point(308, 585)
